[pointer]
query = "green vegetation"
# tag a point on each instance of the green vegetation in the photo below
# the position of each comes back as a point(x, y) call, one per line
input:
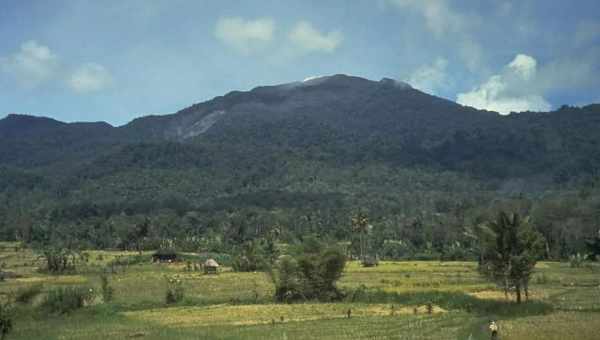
point(419, 167)
point(6, 323)
point(309, 276)
point(106, 289)
point(27, 293)
point(175, 291)
point(286, 199)
point(385, 301)
point(511, 250)
point(67, 299)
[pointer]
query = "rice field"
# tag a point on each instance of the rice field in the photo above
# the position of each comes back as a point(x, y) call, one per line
point(389, 301)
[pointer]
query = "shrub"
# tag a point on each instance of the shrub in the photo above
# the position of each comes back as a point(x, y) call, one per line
point(59, 260)
point(105, 288)
point(455, 252)
point(62, 300)
point(6, 323)
point(26, 294)
point(250, 257)
point(287, 280)
point(310, 276)
point(357, 294)
point(175, 291)
point(576, 260)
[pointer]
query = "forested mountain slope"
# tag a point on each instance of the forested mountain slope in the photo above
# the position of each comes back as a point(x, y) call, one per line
point(304, 155)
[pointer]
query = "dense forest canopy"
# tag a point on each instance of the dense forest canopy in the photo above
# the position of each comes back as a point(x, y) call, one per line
point(304, 158)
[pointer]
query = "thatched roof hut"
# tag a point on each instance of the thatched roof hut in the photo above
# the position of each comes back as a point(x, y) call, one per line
point(211, 266)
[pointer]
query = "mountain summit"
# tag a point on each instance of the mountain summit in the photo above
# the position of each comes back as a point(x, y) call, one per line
point(339, 118)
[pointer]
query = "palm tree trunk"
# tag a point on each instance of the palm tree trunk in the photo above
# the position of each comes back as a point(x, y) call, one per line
point(362, 247)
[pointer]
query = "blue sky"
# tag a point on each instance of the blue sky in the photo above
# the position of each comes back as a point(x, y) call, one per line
point(81, 60)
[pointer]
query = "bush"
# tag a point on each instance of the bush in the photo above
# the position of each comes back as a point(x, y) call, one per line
point(250, 258)
point(6, 323)
point(175, 291)
point(62, 300)
point(105, 288)
point(576, 260)
point(26, 294)
point(60, 260)
point(310, 276)
point(455, 252)
point(357, 294)
point(287, 280)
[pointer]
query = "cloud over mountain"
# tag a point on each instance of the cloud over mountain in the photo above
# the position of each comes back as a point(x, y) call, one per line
point(308, 39)
point(512, 90)
point(90, 77)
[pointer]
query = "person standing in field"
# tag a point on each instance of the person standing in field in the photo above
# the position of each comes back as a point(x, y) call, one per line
point(493, 330)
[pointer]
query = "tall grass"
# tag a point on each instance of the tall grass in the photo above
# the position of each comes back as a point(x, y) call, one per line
point(449, 301)
point(63, 300)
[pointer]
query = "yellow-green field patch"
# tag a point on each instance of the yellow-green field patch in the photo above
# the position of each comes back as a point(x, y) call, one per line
point(266, 314)
point(555, 326)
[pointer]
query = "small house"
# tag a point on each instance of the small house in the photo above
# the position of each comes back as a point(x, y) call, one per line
point(164, 255)
point(211, 266)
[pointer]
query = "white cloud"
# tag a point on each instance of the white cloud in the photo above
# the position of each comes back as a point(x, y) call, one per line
point(245, 36)
point(524, 66)
point(308, 39)
point(430, 78)
point(513, 90)
point(89, 78)
point(32, 65)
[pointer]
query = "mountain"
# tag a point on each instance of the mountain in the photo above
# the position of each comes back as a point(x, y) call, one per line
point(280, 153)
point(341, 118)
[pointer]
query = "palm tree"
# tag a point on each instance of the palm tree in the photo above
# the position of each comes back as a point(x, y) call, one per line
point(514, 252)
point(360, 225)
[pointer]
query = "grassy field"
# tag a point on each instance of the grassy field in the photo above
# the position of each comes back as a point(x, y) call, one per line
point(386, 302)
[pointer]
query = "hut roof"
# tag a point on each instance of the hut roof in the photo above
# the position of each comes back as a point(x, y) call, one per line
point(211, 263)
